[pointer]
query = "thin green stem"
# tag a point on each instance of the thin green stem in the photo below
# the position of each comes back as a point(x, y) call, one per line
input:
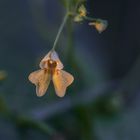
point(91, 19)
point(68, 13)
point(60, 30)
point(70, 51)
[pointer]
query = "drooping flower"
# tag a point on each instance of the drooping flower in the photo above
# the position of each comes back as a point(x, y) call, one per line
point(51, 69)
point(100, 25)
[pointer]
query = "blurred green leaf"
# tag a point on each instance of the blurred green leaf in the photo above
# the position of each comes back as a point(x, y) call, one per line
point(3, 107)
point(84, 118)
point(107, 106)
point(3, 75)
point(64, 2)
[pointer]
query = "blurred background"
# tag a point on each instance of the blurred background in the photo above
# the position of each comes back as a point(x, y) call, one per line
point(102, 103)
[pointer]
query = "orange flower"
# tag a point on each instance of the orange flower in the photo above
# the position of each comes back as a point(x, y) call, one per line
point(51, 69)
point(100, 25)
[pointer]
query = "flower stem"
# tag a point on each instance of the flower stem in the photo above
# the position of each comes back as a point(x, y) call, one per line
point(60, 30)
point(90, 19)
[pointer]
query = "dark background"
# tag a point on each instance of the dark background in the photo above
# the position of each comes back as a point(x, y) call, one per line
point(102, 103)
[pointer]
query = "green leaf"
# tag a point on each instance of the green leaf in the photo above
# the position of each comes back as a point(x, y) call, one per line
point(64, 3)
point(3, 75)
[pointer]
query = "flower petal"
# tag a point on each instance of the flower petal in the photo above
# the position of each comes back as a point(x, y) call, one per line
point(61, 80)
point(100, 25)
point(41, 79)
point(43, 64)
point(53, 56)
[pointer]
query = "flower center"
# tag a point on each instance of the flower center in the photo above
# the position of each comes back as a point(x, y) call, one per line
point(52, 64)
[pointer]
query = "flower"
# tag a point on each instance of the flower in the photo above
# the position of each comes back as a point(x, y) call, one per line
point(100, 25)
point(82, 12)
point(78, 18)
point(51, 69)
